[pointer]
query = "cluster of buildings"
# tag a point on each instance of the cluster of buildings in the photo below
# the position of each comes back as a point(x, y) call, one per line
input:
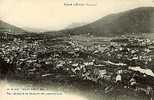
point(38, 60)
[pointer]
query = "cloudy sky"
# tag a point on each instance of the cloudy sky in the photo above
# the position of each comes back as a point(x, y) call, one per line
point(56, 14)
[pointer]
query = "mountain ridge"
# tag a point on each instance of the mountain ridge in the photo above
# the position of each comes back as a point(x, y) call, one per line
point(138, 20)
point(8, 28)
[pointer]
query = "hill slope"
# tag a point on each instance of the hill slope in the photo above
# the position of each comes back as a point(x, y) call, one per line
point(5, 27)
point(139, 20)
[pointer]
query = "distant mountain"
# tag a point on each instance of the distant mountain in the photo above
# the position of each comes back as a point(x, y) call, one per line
point(138, 20)
point(34, 30)
point(5, 27)
point(74, 25)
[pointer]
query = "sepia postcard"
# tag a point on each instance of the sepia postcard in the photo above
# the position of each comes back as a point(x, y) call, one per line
point(76, 49)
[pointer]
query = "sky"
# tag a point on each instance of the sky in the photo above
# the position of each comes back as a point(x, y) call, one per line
point(58, 14)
